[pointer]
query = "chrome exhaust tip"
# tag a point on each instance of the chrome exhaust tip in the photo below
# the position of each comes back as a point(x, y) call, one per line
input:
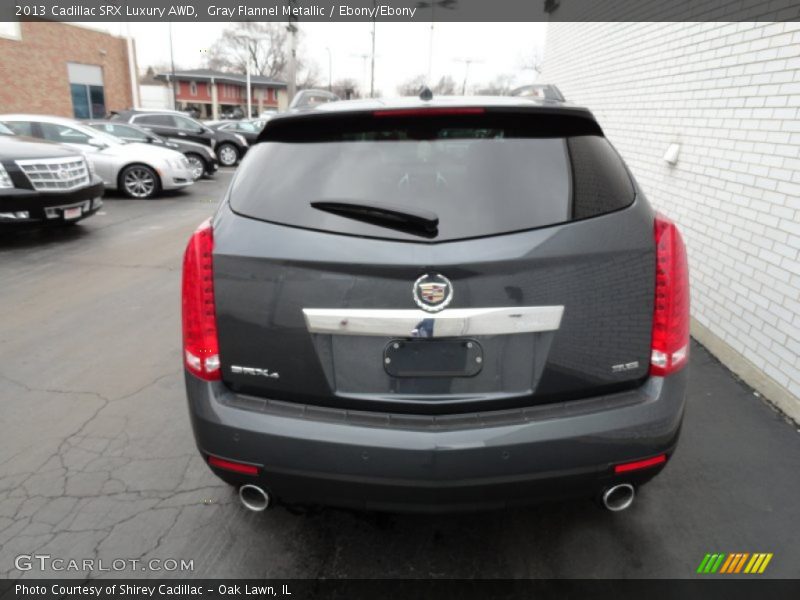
point(254, 498)
point(619, 497)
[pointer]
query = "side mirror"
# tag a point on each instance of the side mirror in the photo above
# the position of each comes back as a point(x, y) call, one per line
point(99, 144)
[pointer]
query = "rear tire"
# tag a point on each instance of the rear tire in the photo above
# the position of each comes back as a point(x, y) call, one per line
point(139, 182)
point(197, 165)
point(228, 154)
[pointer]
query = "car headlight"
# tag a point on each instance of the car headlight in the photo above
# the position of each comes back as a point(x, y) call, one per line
point(5, 180)
point(178, 163)
point(241, 139)
point(212, 153)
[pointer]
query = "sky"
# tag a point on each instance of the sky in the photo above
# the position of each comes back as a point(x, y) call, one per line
point(402, 49)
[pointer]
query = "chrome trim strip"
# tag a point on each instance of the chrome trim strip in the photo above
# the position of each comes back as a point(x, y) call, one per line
point(453, 322)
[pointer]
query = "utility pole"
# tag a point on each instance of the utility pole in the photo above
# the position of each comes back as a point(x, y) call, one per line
point(363, 58)
point(292, 29)
point(372, 68)
point(467, 62)
point(172, 75)
point(330, 69)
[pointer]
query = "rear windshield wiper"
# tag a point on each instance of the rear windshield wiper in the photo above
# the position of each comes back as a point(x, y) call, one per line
point(415, 221)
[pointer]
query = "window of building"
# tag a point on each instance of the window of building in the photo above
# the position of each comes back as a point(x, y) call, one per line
point(193, 88)
point(86, 88)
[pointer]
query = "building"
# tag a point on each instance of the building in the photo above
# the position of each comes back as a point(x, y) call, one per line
point(214, 94)
point(707, 115)
point(65, 70)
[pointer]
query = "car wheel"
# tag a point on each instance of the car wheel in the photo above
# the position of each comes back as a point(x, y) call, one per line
point(139, 181)
point(197, 166)
point(228, 154)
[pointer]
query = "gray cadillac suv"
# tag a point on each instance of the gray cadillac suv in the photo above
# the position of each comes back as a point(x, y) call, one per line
point(454, 304)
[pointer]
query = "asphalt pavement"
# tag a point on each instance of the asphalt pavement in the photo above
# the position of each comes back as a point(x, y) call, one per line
point(97, 458)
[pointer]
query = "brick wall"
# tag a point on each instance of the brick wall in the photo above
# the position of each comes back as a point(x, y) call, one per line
point(729, 94)
point(33, 70)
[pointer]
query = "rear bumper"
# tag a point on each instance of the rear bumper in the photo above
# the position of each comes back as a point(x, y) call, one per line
point(437, 464)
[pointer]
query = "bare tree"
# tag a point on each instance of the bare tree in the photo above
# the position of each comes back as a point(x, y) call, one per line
point(445, 87)
point(265, 45)
point(346, 88)
point(412, 87)
point(499, 86)
point(532, 62)
point(308, 75)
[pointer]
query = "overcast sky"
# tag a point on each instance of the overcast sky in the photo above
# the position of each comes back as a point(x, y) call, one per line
point(401, 48)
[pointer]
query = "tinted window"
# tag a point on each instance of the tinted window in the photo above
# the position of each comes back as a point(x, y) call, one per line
point(63, 134)
point(601, 183)
point(157, 120)
point(187, 124)
point(21, 127)
point(480, 176)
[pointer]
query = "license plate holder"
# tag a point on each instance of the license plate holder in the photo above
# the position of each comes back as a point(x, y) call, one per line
point(72, 213)
point(433, 358)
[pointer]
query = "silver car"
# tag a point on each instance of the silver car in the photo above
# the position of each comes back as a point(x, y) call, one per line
point(138, 170)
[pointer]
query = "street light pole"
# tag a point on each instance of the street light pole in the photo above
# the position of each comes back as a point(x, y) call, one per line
point(330, 69)
point(467, 62)
point(172, 75)
point(249, 93)
point(372, 68)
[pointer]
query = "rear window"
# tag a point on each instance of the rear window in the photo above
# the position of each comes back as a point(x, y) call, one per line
point(481, 175)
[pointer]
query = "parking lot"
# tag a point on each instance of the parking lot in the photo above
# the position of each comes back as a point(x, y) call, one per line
point(98, 458)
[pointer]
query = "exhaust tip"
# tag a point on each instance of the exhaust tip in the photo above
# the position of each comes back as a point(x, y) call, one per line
point(619, 497)
point(254, 498)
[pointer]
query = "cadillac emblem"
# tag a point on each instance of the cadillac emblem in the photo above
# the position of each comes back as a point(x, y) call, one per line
point(433, 292)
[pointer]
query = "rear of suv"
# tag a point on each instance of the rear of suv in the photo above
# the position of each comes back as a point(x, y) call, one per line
point(435, 306)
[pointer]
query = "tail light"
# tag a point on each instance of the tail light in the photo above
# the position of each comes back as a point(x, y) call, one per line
point(670, 346)
point(229, 465)
point(638, 465)
point(200, 345)
point(429, 112)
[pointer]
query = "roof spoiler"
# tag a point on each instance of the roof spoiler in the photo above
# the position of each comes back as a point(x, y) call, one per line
point(545, 91)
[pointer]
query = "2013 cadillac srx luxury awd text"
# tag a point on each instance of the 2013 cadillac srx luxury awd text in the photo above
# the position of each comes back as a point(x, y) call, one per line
point(435, 305)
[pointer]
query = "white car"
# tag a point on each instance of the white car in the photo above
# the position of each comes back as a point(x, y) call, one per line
point(138, 170)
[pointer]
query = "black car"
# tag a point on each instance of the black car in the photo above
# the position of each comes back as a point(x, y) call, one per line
point(229, 147)
point(201, 157)
point(437, 305)
point(42, 182)
point(249, 129)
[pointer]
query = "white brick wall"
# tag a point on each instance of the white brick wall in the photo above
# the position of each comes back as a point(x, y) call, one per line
point(729, 94)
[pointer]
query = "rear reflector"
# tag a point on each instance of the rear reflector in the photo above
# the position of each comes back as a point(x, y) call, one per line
point(670, 341)
point(229, 465)
point(641, 464)
point(200, 345)
point(430, 112)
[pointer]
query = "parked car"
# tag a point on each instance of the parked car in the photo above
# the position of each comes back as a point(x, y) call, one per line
point(229, 146)
point(445, 305)
point(268, 113)
point(202, 159)
point(247, 128)
point(139, 170)
point(306, 99)
point(42, 182)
